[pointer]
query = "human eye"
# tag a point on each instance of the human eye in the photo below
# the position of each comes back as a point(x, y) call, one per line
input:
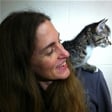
point(50, 51)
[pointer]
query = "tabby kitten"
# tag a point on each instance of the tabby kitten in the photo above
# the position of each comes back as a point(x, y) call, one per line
point(81, 47)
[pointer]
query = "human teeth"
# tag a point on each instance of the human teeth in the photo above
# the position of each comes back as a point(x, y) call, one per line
point(64, 64)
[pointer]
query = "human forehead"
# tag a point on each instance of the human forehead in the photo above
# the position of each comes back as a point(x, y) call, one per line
point(45, 28)
point(46, 34)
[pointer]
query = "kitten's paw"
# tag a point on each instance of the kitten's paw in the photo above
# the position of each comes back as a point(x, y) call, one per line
point(96, 70)
point(90, 68)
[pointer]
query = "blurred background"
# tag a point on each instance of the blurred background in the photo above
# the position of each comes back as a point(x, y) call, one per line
point(69, 18)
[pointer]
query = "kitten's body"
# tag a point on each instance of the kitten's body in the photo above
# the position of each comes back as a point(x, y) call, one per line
point(81, 47)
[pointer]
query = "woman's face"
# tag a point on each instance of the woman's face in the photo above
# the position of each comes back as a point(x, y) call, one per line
point(49, 56)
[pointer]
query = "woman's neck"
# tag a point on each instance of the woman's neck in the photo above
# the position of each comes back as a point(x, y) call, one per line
point(45, 84)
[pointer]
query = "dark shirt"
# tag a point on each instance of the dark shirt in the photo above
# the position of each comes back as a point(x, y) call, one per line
point(97, 92)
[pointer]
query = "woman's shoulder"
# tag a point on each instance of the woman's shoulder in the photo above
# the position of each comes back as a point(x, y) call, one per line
point(90, 79)
point(96, 90)
point(86, 74)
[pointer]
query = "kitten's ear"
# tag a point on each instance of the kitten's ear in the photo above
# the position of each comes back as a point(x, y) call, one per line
point(103, 20)
point(101, 25)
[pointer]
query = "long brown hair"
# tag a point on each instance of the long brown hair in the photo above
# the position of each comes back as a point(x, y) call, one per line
point(67, 95)
point(19, 91)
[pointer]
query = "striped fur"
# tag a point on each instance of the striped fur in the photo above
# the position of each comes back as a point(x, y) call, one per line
point(81, 47)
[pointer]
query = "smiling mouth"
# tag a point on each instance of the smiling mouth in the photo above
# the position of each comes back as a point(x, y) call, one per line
point(62, 66)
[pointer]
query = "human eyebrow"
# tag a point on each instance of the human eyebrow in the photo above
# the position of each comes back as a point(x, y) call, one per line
point(49, 45)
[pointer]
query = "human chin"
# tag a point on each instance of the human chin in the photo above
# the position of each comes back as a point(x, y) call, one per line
point(65, 75)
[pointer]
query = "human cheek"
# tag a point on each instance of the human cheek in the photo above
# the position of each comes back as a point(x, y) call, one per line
point(49, 62)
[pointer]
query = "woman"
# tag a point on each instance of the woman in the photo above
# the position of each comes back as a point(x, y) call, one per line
point(35, 75)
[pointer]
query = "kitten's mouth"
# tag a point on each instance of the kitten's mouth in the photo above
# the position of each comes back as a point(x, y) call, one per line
point(103, 45)
point(103, 42)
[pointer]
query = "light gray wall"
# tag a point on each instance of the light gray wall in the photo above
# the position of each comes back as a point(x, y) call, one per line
point(69, 17)
point(0, 11)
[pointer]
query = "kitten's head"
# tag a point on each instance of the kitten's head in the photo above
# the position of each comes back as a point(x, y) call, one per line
point(101, 34)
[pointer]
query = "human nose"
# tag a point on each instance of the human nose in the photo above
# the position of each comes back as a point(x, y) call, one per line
point(63, 53)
